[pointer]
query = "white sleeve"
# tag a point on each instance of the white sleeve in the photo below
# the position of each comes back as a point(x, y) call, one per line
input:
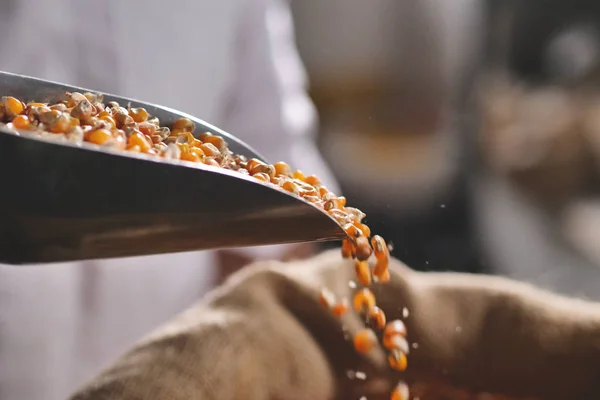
point(266, 104)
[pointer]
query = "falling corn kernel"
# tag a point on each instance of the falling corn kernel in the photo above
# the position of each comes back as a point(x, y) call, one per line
point(397, 360)
point(365, 340)
point(377, 318)
point(400, 392)
point(363, 272)
point(364, 300)
point(395, 327)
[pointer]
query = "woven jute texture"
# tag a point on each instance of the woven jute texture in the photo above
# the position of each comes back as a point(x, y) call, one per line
point(264, 336)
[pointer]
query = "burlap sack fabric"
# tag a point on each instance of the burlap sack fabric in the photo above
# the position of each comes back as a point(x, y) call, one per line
point(264, 335)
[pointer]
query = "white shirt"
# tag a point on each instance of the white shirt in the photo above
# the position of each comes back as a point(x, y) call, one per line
point(230, 62)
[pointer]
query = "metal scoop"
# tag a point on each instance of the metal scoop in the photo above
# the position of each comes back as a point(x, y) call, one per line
point(66, 202)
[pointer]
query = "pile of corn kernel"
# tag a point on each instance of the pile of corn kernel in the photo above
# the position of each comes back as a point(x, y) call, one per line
point(84, 117)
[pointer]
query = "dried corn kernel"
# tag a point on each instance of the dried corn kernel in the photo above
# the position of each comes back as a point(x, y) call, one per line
point(312, 180)
point(400, 392)
point(340, 308)
point(12, 106)
point(211, 162)
point(290, 187)
point(189, 156)
point(282, 168)
point(347, 248)
point(217, 141)
point(362, 249)
point(209, 149)
point(261, 176)
point(99, 136)
point(364, 300)
point(363, 272)
point(395, 327)
point(384, 277)
point(397, 360)
point(380, 247)
point(365, 340)
point(138, 139)
point(377, 318)
point(264, 168)
point(298, 175)
point(352, 230)
point(381, 266)
point(138, 114)
point(21, 122)
point(366, 231)
point(396, 342)
point(184, 124)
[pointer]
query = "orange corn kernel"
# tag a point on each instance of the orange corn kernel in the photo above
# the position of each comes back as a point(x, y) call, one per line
point(340, 308)
point(290, 187)
point(363, 272)
point(197, 151)
point(395, 327)
point(396, 342)
point(366, 231)
point(138, 139)
point(146, 128)
point(210, 150)
point(21, 122)
point(398, 360)
point(253, 162)
point(261, 176)
point(384, 277)
point(282, 168)
point(61, 124)
point(211, 162)
point(380, 247)
point(189, 156)
point(99, 136)
point(400, 392)
point(323, 191)
point(347, 249)
point(312, 180)
point(381, 265)
point(109, 120)
point(364, 300)
point(138, 114)
point(377, 318)
point(365, 340)
point(187, 137)
point(184, 124)
point(362, 248)
point(298, 175)
point(352, 231)
point(217, 141)
point(264, 168)
point(12, 106)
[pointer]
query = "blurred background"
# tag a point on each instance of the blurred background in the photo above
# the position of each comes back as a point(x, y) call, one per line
point(465, 129)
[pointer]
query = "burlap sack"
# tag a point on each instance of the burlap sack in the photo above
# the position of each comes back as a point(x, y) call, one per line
point(264, 336)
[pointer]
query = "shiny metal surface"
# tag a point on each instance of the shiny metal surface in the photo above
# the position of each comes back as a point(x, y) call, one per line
point(62, 202)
